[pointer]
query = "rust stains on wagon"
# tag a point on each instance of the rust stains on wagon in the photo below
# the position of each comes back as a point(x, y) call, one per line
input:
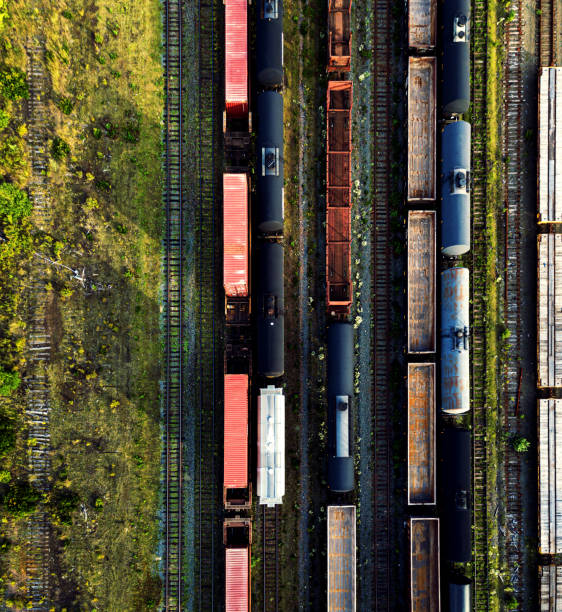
point(421, 129)
point(424, 565)
point(421, 433)
point(421, 281)
point(422, 24)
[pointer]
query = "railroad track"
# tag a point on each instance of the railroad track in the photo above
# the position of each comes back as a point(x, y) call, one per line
point(38, 340)
point(270, 526)
point(478, 289)
point(382, 297)
point(173, 309)
point(547, 33)
point(208, 547)
point(513, 145)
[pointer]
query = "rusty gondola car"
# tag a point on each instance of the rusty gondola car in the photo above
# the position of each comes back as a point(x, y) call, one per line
point(339, 36)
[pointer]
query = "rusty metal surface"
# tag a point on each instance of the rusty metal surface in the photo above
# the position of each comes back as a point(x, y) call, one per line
point(422, 24)
point(341, 559)
point(424, 565)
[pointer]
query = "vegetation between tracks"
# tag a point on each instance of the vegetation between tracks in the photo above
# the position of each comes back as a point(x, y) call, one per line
point(103, 106)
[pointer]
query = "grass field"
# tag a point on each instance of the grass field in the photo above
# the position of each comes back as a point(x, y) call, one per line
point(103, 62)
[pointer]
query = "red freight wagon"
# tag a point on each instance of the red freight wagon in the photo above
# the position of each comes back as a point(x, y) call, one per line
point(338, 197)
point(237, 534)
point(236, 57)
point(236, 488)
point(339, 35)
point(235, 239)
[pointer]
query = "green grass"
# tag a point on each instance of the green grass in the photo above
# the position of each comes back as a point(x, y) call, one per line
point(105, 191)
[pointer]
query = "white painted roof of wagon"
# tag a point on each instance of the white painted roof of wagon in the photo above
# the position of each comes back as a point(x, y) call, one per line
point(550, 577)
point(550, 476)
point(550, 146)
point(271, 446)
point(549, 305)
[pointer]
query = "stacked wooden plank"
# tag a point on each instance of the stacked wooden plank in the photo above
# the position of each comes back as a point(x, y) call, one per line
point(550, 146)
point(549, 300)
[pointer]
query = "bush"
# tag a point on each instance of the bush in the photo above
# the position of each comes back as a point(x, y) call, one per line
point(9, 382)
point(14, 203)
point(7, 435)
point(521, 444)
point(59, 148)
point(13, 85)
point(4, 119)
point(12, 154)
point(66, 105)
point(21, 498)
point(63, 503)
point(5, 477)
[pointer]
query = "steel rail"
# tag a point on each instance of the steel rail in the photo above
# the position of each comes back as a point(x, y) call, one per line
point(270, 526)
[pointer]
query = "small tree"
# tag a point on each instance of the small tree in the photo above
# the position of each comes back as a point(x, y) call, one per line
point(14, 203)
point(13, 85)
point(59, 148)
point(521, 444)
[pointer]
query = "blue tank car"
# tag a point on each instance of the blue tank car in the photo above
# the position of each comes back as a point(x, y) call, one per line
point(455, 189)
point(269, 166)
point(269, 43)
point(340, 393)
point(455, 376)
point(455, 56)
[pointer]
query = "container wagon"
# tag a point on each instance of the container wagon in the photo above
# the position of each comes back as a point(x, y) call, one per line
point(237, 534)
point(422, 24)
point(456, 492)
point(549, 336)
point(236, 276)
point(421, 434)
point(237, 490)
point(424, 565)
point(271, 446)
point(550, 588)
point(270, 311)
point(269, 167)
point(421, 129)
point(549, 145)
point(341, 559)
point(455, 189)
point(339, 36)
point(269, 43)
point(455, 331)
point(459, 595)
point(338, 198)
point(455, 56)
point(340, 393)
point(550, 474)
point(421, 282)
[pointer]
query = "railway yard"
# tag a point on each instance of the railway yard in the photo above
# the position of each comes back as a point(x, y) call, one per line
point(307, 357)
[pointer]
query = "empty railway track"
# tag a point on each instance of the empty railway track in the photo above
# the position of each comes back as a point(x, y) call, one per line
point(270, 526)
point(548, 32)
point(478, 291)
point(513, 146)
point(208, 545)
point(382, 299)
point(173, 308)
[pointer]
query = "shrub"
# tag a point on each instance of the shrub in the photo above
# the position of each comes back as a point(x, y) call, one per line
point(66, 105)
point(63, 503)
point(521, 444)
point(7, 435)
point(14, 203)
point(13, 85)
point(11, 154)
point(67, 14)
point(59, 148)
point(131, 133)
point(5, 477)
point(9, 382)
point(4, 119)
point(21, 498)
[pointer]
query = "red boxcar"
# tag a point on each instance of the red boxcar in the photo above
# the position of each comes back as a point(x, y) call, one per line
point(235, 239)
point(236, 57)
point(237, 537)
point(338, 198)
point(339, 35)
point(236, 490)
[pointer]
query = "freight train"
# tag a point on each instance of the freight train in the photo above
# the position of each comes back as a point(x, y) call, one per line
point(438, 96)
point(254, 311)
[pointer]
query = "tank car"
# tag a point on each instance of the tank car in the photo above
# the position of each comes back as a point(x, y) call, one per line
point(269, 43)
point(455, 56)
point(456, 490)
point(269, 167)
point(455, 331)
point(340, 392)
point(455, 189)
point(270, 311)
point(459, 595)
